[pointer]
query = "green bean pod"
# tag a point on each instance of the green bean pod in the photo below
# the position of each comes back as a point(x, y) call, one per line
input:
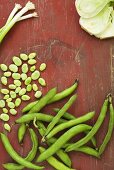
point(52, 140)
point(66, 115)
point(43, 101)
point(36, 108)
point(60, 114)
point(14, 155)
point(54, 162)
point(30, 156)
point(93, 131)
point(63, 140)
point(58, 96)
point(88, 150)
point(69, 124)
point(64, 93)
point(64, 157)
point(38, 116)
point(71, 117)
point(60, 153)
point(21, 132)
point(41, 128)
point(93, 140)
point(29, 106)
point(110, 129)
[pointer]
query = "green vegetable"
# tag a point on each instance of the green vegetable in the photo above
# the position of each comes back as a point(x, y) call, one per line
point(110, 129)
point(54, 162)
point(31, 61)
point(93, 131)
point(17, 83)
point(9, 100)
point(4, 117)
point(2, 103)
point(24, 57)
point(13, 111)
point(39, 116)
point(12, 94)
point(60, 114)
point(5, 110)
point(34, 14)
point(35, 75)
point(66, 115)
point(99, 23)
point(4, 91)
point(60, 153)
point(24, 68)
point(21, 132)
point(12, 86)
point(17, 90)
point(22, 91)
point(35, 87)
point(13, 68)
point(6, 96)
point(32, 68)
point(7, 74)
point(32, 55)
point(70, 123)
point(42, 67)
point(38, 94)
point(29, 106)
point(109, 31)
point(24, 76)
point(42, 82)
point(42, 129)
point(62, 140)
point(16, 76)
point(15, 156)
point(28, 81)
point(88, 150)
point(64, 157)
point(29, 88)
point(90, 8)
point(3, 67)
point(17, 102)
point(4, 81)
point(7, 127)
point(29, 157)
point(11, 105)
point(14, 17)
point(43, 101)
point(61, 95)
point(25, 97)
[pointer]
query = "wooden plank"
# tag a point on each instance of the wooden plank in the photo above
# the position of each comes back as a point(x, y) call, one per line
point(70, 53)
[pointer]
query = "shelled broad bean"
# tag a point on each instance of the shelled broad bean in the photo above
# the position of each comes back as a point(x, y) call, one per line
point(19, 91)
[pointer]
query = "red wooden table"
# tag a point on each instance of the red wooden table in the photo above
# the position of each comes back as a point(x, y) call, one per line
point(70, 53)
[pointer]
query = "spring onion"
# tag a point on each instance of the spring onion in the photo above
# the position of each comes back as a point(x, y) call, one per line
point(16, 16)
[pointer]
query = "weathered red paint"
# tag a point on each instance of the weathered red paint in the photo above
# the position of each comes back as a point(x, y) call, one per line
point(70, 53)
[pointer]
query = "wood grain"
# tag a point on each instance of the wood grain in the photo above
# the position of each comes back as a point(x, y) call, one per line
point(70, 53)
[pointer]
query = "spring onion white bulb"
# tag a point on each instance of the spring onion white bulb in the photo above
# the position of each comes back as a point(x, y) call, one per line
point(16, 16)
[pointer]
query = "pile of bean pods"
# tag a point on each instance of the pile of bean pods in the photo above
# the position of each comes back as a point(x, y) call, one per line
point(58, 146)
point(25, 77)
